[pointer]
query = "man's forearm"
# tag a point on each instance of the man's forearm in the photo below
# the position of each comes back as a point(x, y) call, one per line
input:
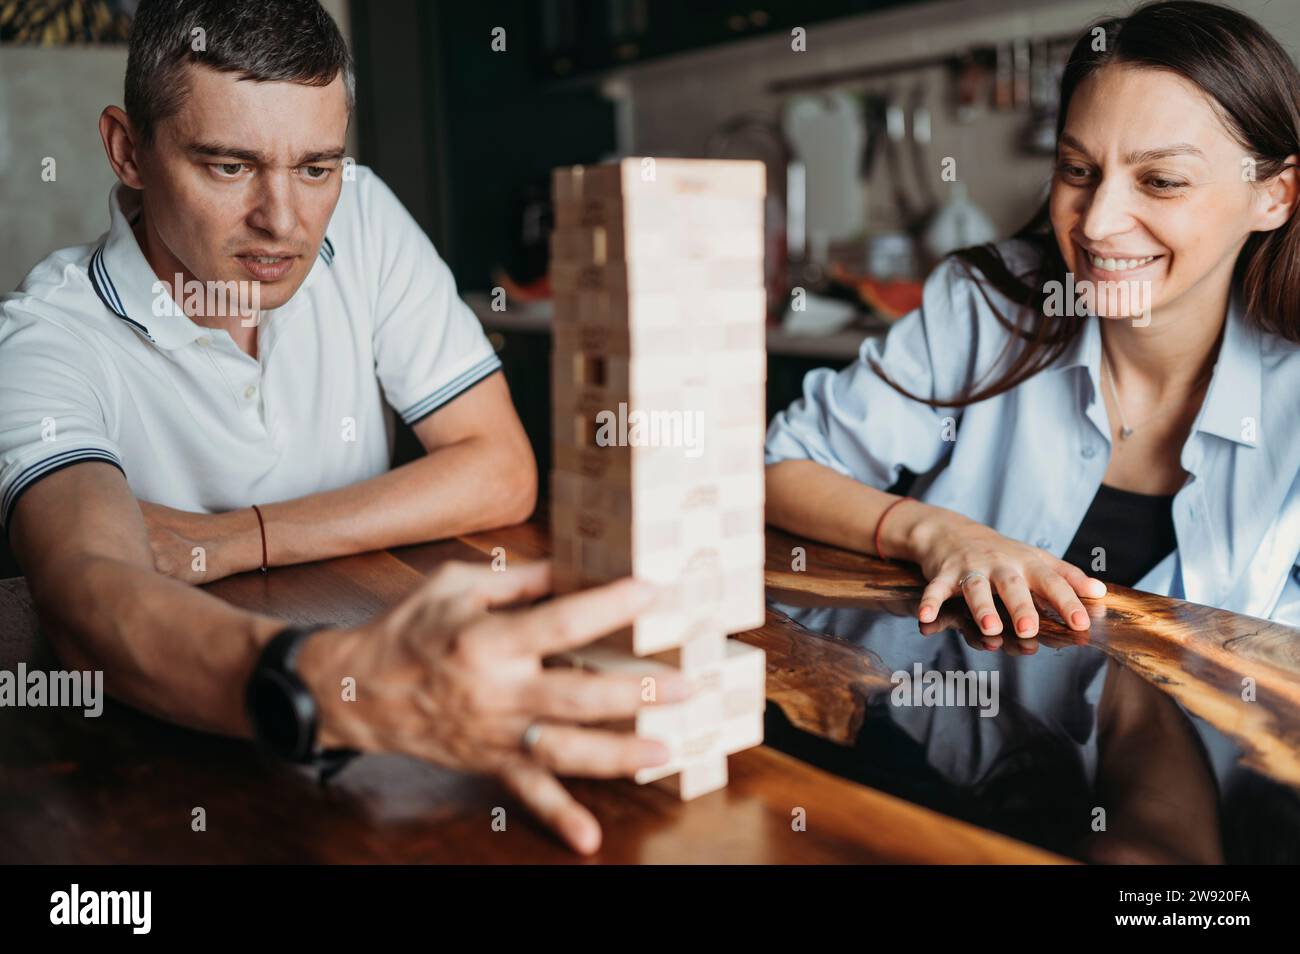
point(473, 485)
point(165, 648)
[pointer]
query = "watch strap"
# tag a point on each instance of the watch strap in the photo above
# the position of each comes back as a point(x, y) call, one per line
point(279, 656)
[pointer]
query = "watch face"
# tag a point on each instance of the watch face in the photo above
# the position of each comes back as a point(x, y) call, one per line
point(280, 714)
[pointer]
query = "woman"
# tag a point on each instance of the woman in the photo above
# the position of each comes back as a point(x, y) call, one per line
point(1150, 440)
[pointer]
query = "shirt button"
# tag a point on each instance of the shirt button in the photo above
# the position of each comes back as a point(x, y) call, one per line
point(250, 391)
point(1042, 543)
point(204, 341)
point(1089, 452)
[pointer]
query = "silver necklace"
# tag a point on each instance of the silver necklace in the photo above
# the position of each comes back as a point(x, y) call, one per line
point(1125, 432)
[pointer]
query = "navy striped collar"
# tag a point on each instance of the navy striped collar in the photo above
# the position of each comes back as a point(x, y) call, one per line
point(108, 293)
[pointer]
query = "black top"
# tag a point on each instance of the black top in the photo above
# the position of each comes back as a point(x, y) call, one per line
point(1135, 532)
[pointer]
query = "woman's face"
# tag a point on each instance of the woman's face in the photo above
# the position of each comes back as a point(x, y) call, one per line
point(1150, 191)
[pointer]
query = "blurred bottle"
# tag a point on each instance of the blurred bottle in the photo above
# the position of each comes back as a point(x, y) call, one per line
point(958, 223)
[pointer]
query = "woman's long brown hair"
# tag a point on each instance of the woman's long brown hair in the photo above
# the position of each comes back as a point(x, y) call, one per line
point(1256, 88)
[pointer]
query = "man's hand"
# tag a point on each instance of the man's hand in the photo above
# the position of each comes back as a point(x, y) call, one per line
point(453, 677)
point(202, 547)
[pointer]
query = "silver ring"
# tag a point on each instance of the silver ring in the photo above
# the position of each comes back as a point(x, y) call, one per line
point(530, 736)
point(961, 584)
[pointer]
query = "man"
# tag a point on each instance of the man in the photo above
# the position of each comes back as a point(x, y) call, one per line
point(236, 339)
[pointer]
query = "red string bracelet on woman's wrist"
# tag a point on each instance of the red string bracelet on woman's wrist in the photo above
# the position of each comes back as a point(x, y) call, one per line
point(881, 523)
point(262, 527)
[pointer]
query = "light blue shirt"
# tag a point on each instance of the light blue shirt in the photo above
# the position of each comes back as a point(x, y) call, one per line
point(1028, 462)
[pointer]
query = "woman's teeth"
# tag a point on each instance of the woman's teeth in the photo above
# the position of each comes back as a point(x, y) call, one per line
point(264, 260)
point(1121, 264)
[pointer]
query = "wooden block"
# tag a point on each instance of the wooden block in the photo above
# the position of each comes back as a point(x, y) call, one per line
point(699, 651)
point(615, 308)
point(744, 606)
point(743, 521)
point(566, 578)
point(749, 411)
point(606, 373)
point(744, 677)
point(618, 339)
point(739, 313)
point(589, 525)
point(690, 748)
point(668, 623)
point(656, 502)
point(610, 543)
point(661, 383)
point(681, 215)
point(733, 368)
point(742, 732)
point(737, 675)
point(640, 399)
point(597, 463)
point(566, 554)
point(704, 371)
point(601, 656)
point(667, 723)
point(744, 332)
point(737, 502)
point(597, 245)
point(672, 336)
point(709, 775)
point(741, 491)
point(730, 308)
point(641, 465)
point(658, 411)
point(724, 715)
point(738, 552)
point(661, 178)
point(650, 276)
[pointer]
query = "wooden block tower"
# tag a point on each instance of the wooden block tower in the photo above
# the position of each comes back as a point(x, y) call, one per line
point(658, 370)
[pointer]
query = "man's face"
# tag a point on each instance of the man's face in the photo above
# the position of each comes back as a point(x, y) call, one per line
point(240, 183)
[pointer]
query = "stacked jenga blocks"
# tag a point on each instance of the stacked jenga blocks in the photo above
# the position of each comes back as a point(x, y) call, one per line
point(658, 370)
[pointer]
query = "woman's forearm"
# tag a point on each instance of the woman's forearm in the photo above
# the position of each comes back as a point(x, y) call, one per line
point(811, 500)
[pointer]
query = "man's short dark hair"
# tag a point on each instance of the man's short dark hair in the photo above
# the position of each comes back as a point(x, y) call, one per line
point(292, 41)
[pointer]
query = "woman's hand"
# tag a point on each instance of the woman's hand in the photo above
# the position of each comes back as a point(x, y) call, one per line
point(959, 620)
point(959, 556)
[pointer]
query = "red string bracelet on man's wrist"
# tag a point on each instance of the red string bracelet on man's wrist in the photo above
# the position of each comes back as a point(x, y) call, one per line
point(881, 523)
point(262, 527)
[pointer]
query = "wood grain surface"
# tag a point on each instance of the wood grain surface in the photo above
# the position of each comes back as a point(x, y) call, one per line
point(124, 787)
point(1239, 673)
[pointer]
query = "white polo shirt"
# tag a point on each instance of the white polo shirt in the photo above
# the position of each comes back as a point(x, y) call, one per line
point(89, 369)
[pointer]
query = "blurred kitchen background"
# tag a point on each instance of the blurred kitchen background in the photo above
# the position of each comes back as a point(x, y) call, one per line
point(893, 131)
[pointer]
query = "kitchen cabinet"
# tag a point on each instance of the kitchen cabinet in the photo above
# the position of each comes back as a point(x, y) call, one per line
point(581, 37)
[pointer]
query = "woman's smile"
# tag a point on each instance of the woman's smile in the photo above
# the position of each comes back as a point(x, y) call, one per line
point(1112, 265)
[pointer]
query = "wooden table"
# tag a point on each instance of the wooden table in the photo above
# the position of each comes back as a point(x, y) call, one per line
point(123, 787)
point(1200, 655)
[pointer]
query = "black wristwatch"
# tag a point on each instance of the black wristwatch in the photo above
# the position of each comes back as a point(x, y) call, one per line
point(282, 710)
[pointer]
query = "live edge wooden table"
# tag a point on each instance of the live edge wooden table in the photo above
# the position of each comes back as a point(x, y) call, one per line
point(122, 788)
